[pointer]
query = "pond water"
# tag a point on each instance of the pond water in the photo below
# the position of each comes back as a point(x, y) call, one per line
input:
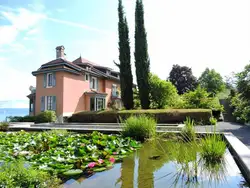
point(165, 164)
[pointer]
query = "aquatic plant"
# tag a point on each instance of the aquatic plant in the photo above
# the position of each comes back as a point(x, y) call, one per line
point(66, 153)
point(15, 174)
point(213, 120)
point(188, 132)
point(139, 127)
point(212, 148)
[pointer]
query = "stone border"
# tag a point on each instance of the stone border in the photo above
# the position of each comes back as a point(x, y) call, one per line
point(240, 152)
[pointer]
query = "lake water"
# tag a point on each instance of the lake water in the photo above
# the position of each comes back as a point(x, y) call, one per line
point(4, 112)
point(177, 166)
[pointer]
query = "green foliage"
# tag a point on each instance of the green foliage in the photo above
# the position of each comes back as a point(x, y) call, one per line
point(243, 86)
point(162, 93)
point(46, 117)
point(59, 151)
point(213, 148)
point(188, 132)
point(22, 118)
point(199, 98)
point(15, 174)
point(211, 81)
point(139, 127)
point(182, 78)
point(213, 121)
point(126, 78)
point(161, 115)
point(4, 126)
point(137, 102)
point(224, 94)
point(142, 62)
point(241, 109)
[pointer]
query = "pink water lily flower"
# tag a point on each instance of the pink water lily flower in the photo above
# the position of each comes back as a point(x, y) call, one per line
point(115, 153)
point(91, 165)
point(112, 159)
point(100, 161)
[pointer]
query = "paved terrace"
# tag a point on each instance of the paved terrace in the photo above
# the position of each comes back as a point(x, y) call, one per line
point(242, 132)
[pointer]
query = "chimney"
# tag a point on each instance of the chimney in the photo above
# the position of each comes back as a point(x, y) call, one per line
point(60, 52)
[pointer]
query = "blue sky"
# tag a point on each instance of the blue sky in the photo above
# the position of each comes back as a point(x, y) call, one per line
point(197, 33)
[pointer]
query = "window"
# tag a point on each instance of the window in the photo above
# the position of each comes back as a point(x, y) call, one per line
point(49, 103)
point(114, 90)
point(31, 107)
point(93, 83)
point(86, 77)
point(49, 80)
point(97, 103)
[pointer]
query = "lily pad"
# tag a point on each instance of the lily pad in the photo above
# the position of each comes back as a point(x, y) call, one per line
point(99, 169)
point(72, 172)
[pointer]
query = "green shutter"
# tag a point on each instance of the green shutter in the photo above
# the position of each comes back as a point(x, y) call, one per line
point(54, 79)
point(54, 103)
point(44, 80)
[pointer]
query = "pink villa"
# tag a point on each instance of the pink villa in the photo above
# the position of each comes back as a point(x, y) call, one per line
point(68, 87)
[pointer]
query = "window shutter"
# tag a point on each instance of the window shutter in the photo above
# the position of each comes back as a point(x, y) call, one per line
point(90, 82)
point(54, 103)
point(54, 79)
point(97, 88)
point(42, 104)
point(44, 80)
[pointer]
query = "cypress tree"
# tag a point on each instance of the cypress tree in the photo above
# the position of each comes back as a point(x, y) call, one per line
point(142, 62)
point(126, 78)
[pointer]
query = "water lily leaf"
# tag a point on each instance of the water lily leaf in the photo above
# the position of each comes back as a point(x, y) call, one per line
point(99, 169)
point(72, 172)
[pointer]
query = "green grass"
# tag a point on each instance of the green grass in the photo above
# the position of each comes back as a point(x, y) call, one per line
point(139, 127)
point(213, 148)
point(15, 174)
point(188, 131)
point(213, 120)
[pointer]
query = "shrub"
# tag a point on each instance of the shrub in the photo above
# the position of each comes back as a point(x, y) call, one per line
point(161, 116)
point(213, 121)
point(188, 131)
point(162, 93)
point(46, 117)
point(213, 148)
point(15, 174)
point(22, 118)
point(4, 126)
point(139, 127)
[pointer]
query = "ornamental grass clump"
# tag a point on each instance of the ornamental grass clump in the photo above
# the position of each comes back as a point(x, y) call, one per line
point(188, 132)
point(213, 148)
point(139, 127)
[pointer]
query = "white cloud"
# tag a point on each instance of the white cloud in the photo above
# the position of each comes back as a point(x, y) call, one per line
point(21, 20)
point(15, 84)
point(33, 31)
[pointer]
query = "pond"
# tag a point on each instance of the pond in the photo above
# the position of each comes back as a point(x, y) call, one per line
point(165, 164)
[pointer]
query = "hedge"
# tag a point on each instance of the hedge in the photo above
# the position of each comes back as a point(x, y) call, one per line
point(161, 116)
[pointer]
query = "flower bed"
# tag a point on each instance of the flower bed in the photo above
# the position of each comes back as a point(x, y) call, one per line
point(64, 153)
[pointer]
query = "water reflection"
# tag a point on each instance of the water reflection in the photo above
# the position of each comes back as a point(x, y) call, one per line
point(167, 164)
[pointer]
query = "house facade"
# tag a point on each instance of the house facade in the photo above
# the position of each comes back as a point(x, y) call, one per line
point(68, 87)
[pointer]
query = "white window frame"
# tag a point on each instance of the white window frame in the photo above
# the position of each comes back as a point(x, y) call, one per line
point(49, 86)
point(114, 90)
point(86, 76)
point(91, 83)
point(99, 99)
point(46, 102)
